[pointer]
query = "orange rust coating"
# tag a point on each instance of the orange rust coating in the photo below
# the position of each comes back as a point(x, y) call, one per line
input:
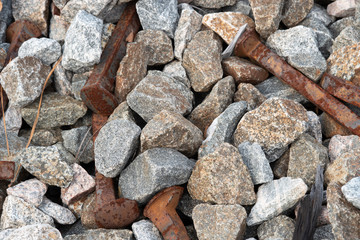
point(161, 210)
point(97, 93)
point(250, 46)
point(7, 170)
point(341, 89)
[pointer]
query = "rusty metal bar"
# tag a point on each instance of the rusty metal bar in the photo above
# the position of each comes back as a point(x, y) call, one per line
point(97, 93)
point(250, 46)
point(7, 170)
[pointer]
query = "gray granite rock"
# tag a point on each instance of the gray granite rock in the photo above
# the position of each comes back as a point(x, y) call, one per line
point(56, 111)
point(4, 48)
point(13, 120)
point(122, 111)
point(213, 3)
point(82, 48)
point(6, 12)
point(145, 230)
point(77, 82)
point(340, 25)
point(298, 46)
point(241, 6)
point(250, 94)
point(324, 233)
point(341, 8)
point(17, 213)
point(65, 154)
point(34, 232)
point(62, 80)
point(177, 71)
point(115, 145)
point(319, 13)
point(347, 37)
point(187, 204)
point(351, 191)
point(58, 28)
point(275, 197)
point(219, 221)
point(255, 160)
point(202, 60)
point(280, 228)
point(45, 49)
point(102, 234)
point(340, 144)
point(159, 15)
point(23, 80)
point(222, 128)
point(47, 164)
point(60, 214)
point(17, 144)
point(154, 170)
point(31, 191)
point(158, 91)
point(314, 126)
point(43, 137)
point(295, 11)
point(79, 142)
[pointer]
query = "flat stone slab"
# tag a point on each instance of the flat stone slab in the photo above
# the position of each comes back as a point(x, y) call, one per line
point(32, 191)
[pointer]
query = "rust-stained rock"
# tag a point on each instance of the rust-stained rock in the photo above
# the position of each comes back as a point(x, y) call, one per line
point(222, 177)
point(87, 212)
point(330, 127)
point(227, 24)
point(243, 71)
point(247, 92)
point(295, 11)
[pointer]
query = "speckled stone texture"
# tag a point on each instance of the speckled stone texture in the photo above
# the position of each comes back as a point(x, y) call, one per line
point(177, 71)
point(213, 3)
point(122, 111)
point(214, 104)
point(275, 197)
point(227, 24)
point(314, 126)
point(241, 6)
point(319, 13)
point(247, 92)
point(340, 25)
point(154, 169)
point(58, 28)
point(330, 127)
point(324, 232)
point(222, 177)
point(62, 80)
point(341, 8)
point(47, 164)
point(339, 144)
point(158, 91)
point(16, 143)
point(145, 230)
point(281, 165)
point(187, 204)
point(34, 231)
point(219, 221)
point(171, 130)
point(102, 234)
point(285, 117)
point(82, 48)
point(87, 214)
point(32, 191)
point(347, 37)
point(45, 49)
point(78, 141)
point(13, 120)
point(59, 213)
point(159, 15)
point(23, 79)
point(296, 11)
point(202, 60)
point(280, 228)
point(351, 191)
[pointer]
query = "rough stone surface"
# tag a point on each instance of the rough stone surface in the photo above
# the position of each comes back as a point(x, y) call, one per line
point(62, 80)
point(275, 197)
point(158, 91)
point(189, 24)
point(318, 12)
point(222, 177)
point(33, 232)
point(330, 127)
point(56, 111)
point(122, 111)
point(17, 144)
point(58, 28)
point(285, 117)
point(4, 48)
point(247, 92)
point(241, 6)
point(347, 37)
point(219, 221)
point(314, 126)
point(177, 71)
point(255, 160)
point(295, 11)
point(202, 60)
point(107, 31)
point(132, 69)
point(78, 141)
point(43, 137)
point(227, 24)
point(159, 15)
point(145, 230)
point(23, 79)
point(340, 25)
point(17, 213)
point(341, 8)
point(187, 204)
point(45, 49)
point(171, 130)
point(214, 104)
point(281, 165)
point(82, 48)
point(222, 128)
point(324, 232)
point(298, 46)
point(13, 120)
point(77, 82)
point(340, 144)
point(213, 3)
point(280, 228)
point(154, 169)
point(351, 191)
point(102, 234)
point(32, 191)
point(344, 217)
point(60, 214)
point(115, 145)
point(306, 154)
point(87, 212)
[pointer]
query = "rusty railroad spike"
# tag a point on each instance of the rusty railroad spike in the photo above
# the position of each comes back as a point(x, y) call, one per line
point(97, 93)
point(161, 210)
point(250, 46)
point(7, 170)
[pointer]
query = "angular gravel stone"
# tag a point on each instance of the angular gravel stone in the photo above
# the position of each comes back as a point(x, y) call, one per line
point(145, 230)
point(31, 191)
point(341, 8)
point(241, 6)
point(58, 28)
point(222, 177)
point(102, 234)
point(82, 48)
point(341, 144)
point(314, 126)
point(177, 71)
point(281, 165)
point(318, 12)
point(219, 221)
point(13, 120)
point(340, 25)
point(4, 48)
point(87, 212)
point(298, 46)
point(331, 127)
point(79, 142)
point(45, 49)
point(171, 130)
point(82, 185)
point(285, 117)
point(56, 111)
point(280, 228)
point(213, 3)
point(202, 60)
point(33, 232)
point(157, 45)
point(17, 144)
point(17, 213)
point(23, 79)
point(158, 14)
point(154, 169)
point(351, 191)
point(77, 83)
point(275, 197)
point(187, 204)
point(122, 111)
point(115, 145)
point(255, 160)
point(60, 214)
point(295, 11)
point(214, 104)
point(158, 91)
point(43, 137)
point(227, 24)
point(222, 128)
point(189, 24)
point(247, 92)
point(62, 80)
point(348, 37)
point(324, 232)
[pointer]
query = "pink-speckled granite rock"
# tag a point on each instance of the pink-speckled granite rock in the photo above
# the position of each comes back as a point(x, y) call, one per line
point(342, 8)
point(32, 191)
